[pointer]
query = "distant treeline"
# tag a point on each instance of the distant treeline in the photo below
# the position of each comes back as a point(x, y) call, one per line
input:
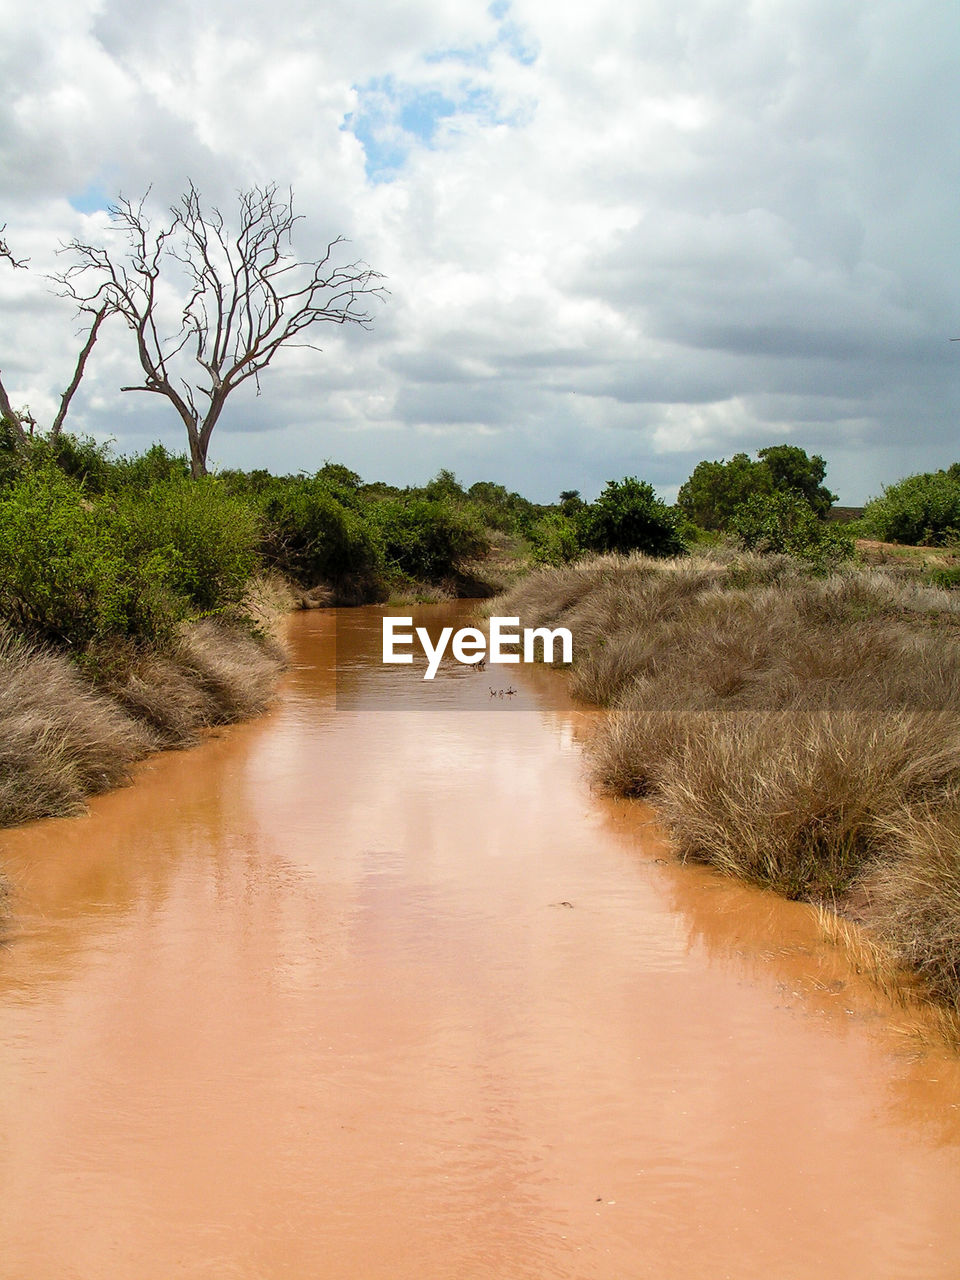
point(133, 597)
point(99, 551)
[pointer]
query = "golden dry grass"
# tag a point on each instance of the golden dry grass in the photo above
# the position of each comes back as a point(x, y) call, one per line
point(62, 738)
point(59, 739)
point(913, 891)
point(803, 733)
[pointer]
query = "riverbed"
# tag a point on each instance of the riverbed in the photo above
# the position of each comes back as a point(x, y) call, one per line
point(375, 988)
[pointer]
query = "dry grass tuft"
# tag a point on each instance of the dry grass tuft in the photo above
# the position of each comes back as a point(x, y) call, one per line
point(269, 597)
point(235, 670)
point(59, 740)
point(800, 732)
point(62, 739)
point(413, 592)
point(868, 956)
point(913, 891)
point(793, 800)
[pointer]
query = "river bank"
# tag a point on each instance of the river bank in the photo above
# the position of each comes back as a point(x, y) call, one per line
point(794, 731)
point(66, 734)
point(309, 1000)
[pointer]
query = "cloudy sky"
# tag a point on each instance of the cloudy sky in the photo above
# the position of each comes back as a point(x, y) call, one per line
point(618, 237)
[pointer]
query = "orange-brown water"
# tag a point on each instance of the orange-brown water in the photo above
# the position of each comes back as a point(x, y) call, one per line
point(377, 994)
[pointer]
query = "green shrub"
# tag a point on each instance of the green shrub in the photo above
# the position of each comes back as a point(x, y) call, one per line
point(715, 490)
point(427, 539)
point(444, 487)
point(498, 508)
point(947, 578)
point(11, 458)
point(922, 509)
point(65, 574)
point(207, 538)
point(793, 471)
point(785, 523)
point(628, 516)
point(310, 534)
point(554, 539)
point(155, 466)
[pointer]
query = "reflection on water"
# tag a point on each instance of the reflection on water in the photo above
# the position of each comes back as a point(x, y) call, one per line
point(309, 1001)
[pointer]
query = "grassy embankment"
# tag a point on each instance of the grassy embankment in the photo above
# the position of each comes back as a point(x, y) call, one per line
point(800, 732)
point(137, 604)
point(130, 619)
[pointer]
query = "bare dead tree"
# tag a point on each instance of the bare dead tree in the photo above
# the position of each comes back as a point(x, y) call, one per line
point(8, 414)
point(6, 253)
point(243, 295)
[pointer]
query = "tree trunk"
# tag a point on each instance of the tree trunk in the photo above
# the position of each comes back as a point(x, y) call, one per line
point(7, 414)
point(198, 457)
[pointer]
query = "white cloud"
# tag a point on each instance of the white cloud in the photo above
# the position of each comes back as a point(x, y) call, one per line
point(618, 238)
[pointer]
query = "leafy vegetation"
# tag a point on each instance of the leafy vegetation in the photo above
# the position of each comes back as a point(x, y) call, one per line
point(313, 533)
point(715, 492)
point(628, 516)
point(67, 573)
point(427, 538)
point(555, 539)
point(785, 524)
point(919, 510)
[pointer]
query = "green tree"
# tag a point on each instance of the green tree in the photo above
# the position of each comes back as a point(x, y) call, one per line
point(427, 539)
point(786, 523)
point(500, 508)
point(920, 509)
point(793, 471)
point(444, 485)
point(571, 502)
point(628, 516)
point(716, 489)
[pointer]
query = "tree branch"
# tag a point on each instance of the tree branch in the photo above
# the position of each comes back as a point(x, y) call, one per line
point(98, 318)
point(246, 295)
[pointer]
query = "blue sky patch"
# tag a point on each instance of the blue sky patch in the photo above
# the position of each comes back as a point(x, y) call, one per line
point(91, 198)
point(392, 117)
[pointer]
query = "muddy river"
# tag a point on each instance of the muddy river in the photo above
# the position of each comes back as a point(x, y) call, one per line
point(374, 988)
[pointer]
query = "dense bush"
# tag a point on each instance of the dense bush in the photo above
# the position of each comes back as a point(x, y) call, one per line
point(10, 459)
point(501, 509)
point(67, 572)
point(792, 470)
point(81, 571)
point(922, 509)
point(310, 533)
point(426, 538)
point(554, 539)
point(154, 466)
point(785, 523)
point(79, 457)
point(716, 490)
point(628, 516)
point(206, 538)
